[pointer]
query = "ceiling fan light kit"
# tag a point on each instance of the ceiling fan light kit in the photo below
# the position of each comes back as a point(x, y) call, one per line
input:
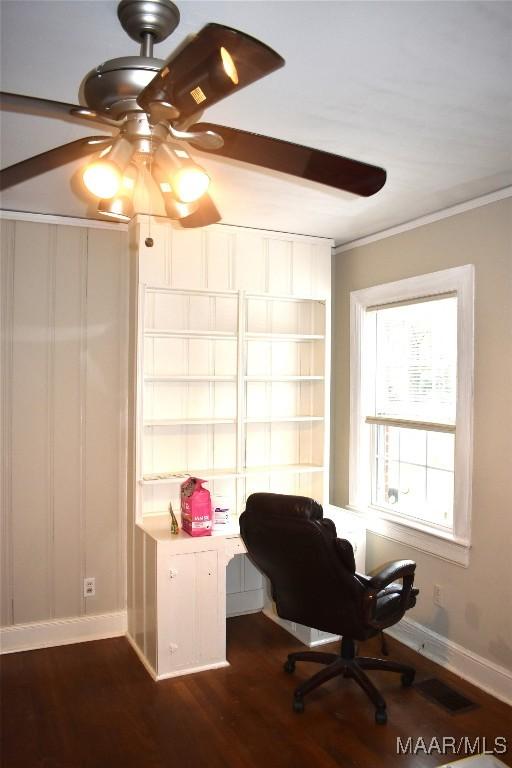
point(176, 210)
point(154, 105)
point(119, 208)
point(104, 176)
point(188, 181)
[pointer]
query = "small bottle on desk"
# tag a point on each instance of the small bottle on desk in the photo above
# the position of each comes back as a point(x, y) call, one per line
point(174, 523)
point(220, 511)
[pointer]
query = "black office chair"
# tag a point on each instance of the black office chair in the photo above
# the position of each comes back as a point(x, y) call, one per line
point(313, 580)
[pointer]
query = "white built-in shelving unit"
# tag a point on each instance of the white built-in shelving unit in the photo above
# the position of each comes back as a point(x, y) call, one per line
point(230, 340)
point(232, 388)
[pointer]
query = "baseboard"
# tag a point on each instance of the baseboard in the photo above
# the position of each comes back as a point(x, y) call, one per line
point(141, 656)
point(483, 673)
point(77, 629)
point(324, 641)
point(298, 631)
point(245, 612)
point(192, 670)
point(175, 673)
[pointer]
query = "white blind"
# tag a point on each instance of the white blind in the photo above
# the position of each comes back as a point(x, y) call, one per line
point(416, 360)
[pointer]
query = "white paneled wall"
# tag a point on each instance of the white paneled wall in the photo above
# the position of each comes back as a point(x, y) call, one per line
point(64, 389)
point(64, 297)
point(221, 258)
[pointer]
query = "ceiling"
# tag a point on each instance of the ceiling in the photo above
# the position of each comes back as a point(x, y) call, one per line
point(423, 89)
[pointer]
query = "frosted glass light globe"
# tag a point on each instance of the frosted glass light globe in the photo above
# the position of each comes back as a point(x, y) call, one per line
point(102, 179)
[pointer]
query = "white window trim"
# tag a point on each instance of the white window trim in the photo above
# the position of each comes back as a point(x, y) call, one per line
point(453, 547)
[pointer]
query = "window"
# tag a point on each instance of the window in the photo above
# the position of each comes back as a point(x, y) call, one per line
point(411, 409)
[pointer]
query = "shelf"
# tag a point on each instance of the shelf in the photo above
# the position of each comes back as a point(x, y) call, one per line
point(229, 474)
point(277, 419)
point(191, 292)
point(283, 378)
point(186, 421)
point(165, 334)
point(292, 469)
point(178, 477)
point(185, 378)
point(286, 297)
point(284, 336)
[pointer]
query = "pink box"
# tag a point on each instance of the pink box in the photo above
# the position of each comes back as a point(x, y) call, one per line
point(196, 508)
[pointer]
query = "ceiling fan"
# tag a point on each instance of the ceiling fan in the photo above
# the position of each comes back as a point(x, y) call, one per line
point(154, 106)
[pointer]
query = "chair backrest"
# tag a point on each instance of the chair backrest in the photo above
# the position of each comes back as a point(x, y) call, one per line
point(311, 571)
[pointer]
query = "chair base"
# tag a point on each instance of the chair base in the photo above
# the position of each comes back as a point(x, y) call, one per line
point(347, 664)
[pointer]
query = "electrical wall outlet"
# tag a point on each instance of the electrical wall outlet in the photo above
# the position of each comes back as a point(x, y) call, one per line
point(438, 595)
point(89, 587)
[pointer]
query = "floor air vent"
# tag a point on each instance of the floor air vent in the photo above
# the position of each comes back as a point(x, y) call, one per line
point(447, 697)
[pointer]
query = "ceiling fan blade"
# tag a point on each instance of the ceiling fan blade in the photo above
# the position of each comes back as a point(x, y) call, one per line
point(207, 213)
point(16, 102)
point(297, 160)
point(215, 63)
point(47, 161)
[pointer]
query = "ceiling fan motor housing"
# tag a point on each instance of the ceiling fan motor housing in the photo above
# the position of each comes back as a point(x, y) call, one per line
point(113, 86)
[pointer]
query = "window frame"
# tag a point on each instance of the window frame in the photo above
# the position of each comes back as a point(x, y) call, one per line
point(455, 545)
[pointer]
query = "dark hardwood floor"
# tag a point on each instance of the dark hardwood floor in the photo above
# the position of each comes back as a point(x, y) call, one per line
point(93, 705)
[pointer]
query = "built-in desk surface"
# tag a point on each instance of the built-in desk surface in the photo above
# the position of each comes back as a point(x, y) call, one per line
point(158, 527)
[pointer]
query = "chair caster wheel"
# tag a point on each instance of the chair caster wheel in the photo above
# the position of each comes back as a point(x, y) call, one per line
point(298, 706)
point(289, 666)
point(407, 679)
point(381, 716)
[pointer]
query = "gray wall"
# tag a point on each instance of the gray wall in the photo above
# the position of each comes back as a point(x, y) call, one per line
point(64, 362)
point(478, 612)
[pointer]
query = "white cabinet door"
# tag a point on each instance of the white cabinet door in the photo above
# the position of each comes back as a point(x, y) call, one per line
point(191, 618)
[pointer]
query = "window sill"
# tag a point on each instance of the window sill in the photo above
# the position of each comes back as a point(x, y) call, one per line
point(439, 545)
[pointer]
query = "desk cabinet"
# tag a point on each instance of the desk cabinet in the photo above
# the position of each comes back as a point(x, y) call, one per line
point(180, 605)
point(191, 629)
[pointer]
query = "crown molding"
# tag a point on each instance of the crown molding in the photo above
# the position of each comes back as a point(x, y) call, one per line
point(276, 234)
point(236, 228)
point(430, 218)
point(68, 221)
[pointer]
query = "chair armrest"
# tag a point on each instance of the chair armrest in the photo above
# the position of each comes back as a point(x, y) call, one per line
point(397, 569)
point(380, 579)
